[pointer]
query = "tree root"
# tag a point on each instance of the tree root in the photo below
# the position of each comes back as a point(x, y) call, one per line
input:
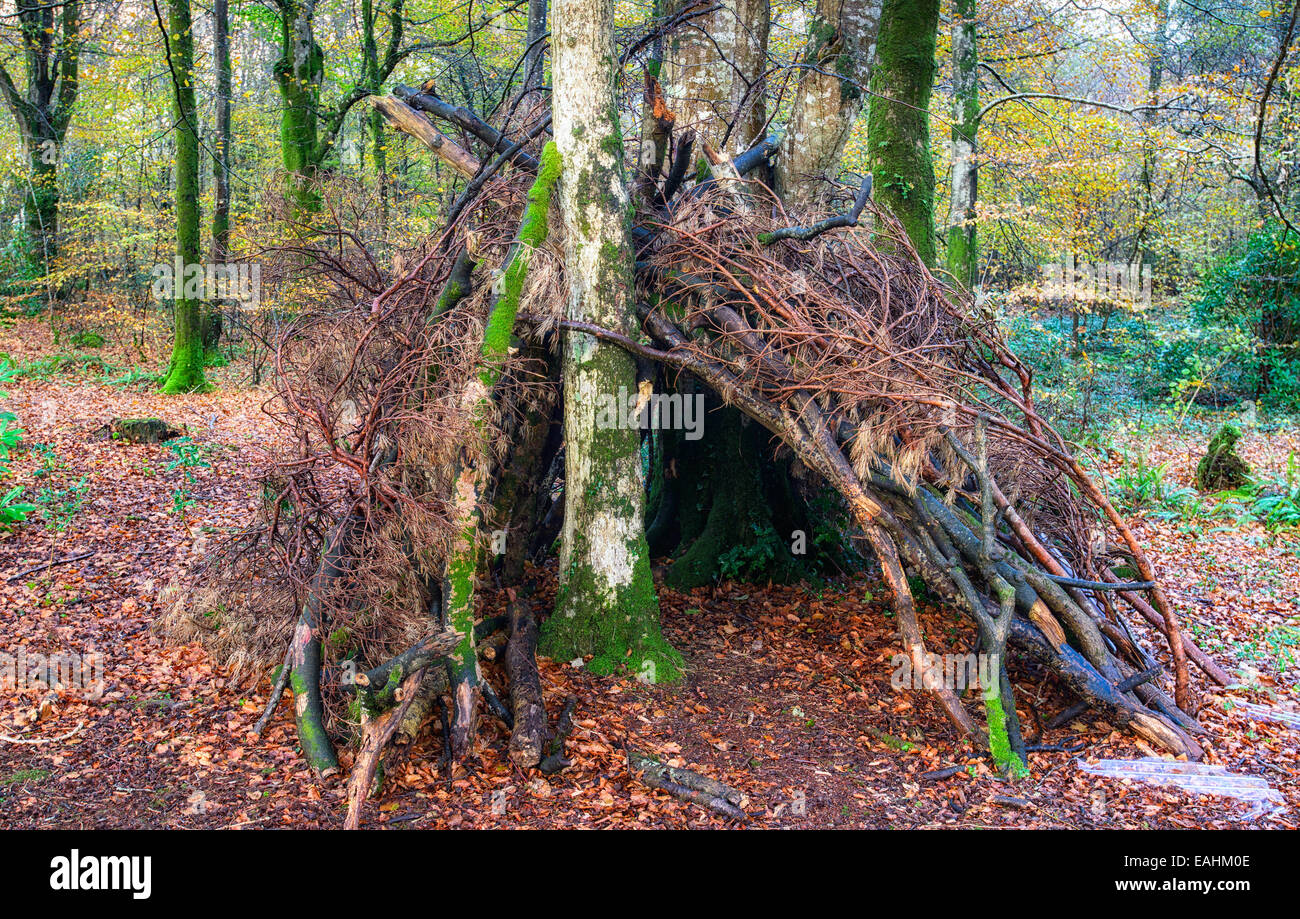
point(554, 760)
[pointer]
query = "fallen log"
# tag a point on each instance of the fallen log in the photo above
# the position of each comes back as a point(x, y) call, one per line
point(58, 561)
point(378, 686)
point(687, 785)
point(409, 121)
point(377, 731)
point(527, 737)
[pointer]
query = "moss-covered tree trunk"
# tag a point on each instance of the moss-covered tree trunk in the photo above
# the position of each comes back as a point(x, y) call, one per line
point(471, 472)
point(374, 120)
point(299, 73)
point(221, 140)
point(186, 371)
point(841, 46)
point(606, 605)
point(963, 251)
point(309, 132)
point(732, 503)
point(898, 135)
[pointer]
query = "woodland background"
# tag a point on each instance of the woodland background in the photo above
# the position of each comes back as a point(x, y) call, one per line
point(1159, 132)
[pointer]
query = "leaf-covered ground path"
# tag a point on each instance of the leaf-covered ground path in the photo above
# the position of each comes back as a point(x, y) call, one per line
point(788, 696)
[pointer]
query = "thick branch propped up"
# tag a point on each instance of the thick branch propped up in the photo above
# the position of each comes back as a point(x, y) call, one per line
point(409, 121)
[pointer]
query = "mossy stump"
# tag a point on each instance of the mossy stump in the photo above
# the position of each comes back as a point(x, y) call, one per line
point(1222, 468)
point(141, 430)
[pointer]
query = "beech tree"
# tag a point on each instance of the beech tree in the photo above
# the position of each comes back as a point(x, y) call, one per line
point(714, 68)
point(220, 150)
point(963, 254)
point(832, 89)
point(607, 605)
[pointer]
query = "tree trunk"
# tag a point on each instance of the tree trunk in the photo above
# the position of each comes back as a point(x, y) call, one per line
point(606, 604)
point(43, 110)
point(221, 142)
point(375, 118)
point(898, 136)
point(839, 54)
point(963, 253)
point(1146, 184)
point(299, 73)
point(472, 468)
point(534, 49)
point(41, 203)
point(186, 371)
point(734, 520)
point(714, 71)
point(220, 160)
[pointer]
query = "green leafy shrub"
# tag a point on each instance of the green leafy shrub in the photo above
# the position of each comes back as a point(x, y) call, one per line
point(12, 510)
point(1278, 506)
point(63, 505)
point(1256, 290)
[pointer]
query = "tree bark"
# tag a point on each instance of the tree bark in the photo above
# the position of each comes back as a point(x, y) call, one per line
point(535, 47)
point(838, 58)
point(212, 317)
point(299, 74)
point(186, 371)
point(221, 142)
point(963, 252)
point(606, 604)
point(898, 135)
point(714, 71)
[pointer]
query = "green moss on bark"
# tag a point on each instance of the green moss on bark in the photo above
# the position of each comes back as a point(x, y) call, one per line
point(185, 374)
point(1007, 762)
point(613, 619)
point(299, 73)
point(532, 233)
point(898, 136)
point(619, 628)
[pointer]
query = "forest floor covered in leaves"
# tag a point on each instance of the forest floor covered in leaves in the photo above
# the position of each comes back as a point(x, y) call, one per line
point(788, 696)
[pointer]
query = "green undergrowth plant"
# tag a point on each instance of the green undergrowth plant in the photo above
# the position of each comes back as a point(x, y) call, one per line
point(13, 510)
